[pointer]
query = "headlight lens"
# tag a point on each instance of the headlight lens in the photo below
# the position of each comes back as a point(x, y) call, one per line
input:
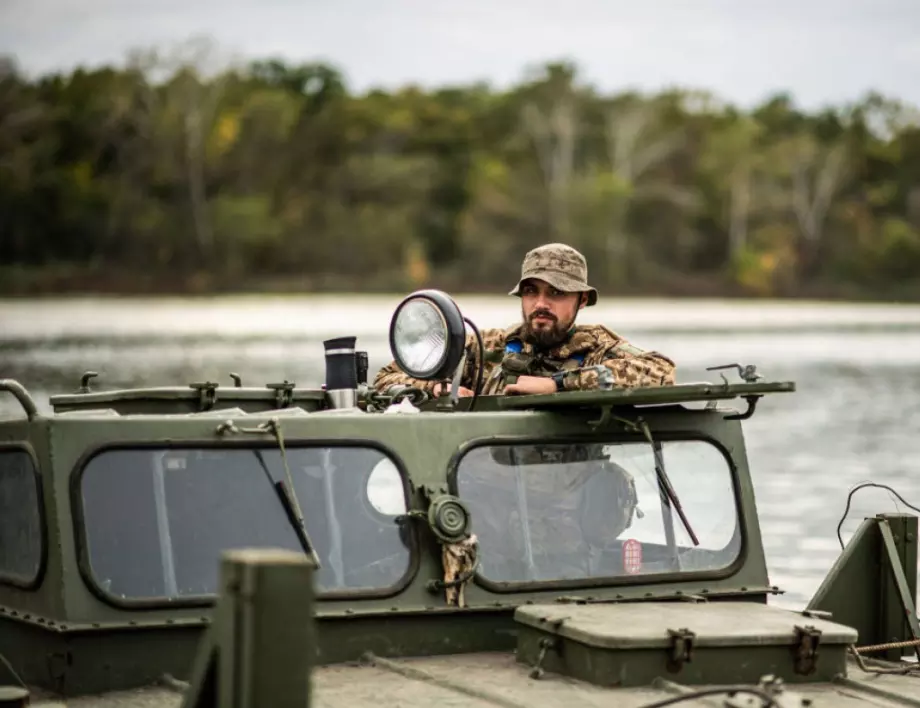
point(420, 337)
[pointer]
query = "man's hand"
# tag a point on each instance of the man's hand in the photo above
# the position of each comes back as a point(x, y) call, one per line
point(462, 391)
point(531, 385)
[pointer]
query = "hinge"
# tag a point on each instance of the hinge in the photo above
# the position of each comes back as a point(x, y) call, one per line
point(681, 649)
point(806, 649)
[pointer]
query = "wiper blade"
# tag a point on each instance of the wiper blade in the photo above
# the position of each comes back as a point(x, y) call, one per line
point(291, 510)
point(666, 483)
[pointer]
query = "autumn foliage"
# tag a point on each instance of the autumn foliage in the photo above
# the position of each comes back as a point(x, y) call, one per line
point(163, 176)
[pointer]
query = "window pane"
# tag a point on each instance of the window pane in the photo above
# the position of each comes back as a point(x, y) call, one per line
point(20, 520)
point(581, 511)
point(157, 520)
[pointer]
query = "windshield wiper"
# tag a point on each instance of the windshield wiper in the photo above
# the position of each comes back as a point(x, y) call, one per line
point(291, 508)
point(665, 483)
point(286, 493)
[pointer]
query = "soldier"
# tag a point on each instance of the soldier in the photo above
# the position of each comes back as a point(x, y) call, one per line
point(547, 351)
point(581, 498)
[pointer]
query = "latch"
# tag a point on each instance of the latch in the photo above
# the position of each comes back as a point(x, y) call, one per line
point(546, 644)
point(207, 394)
point(284, 393)
point(806, 649)
point(681, 649)
point(747, 373)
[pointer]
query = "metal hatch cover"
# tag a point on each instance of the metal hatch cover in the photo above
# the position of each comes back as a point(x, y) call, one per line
point(630, 644)
point(680, 393)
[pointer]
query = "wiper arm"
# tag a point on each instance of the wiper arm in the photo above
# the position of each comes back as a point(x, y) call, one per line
point(288, 499)
point(286, 494)
point(666, 483)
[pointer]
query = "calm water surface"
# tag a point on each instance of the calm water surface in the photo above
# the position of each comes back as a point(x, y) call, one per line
point(855, 417)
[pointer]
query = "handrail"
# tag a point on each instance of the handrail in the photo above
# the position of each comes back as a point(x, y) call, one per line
point(22, 395)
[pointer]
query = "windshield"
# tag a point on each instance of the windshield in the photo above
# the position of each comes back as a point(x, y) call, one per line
point(157, 520)
point(20, 520)
point(570, 512)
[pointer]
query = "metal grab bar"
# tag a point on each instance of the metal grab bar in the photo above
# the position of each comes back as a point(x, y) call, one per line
point(25, 400)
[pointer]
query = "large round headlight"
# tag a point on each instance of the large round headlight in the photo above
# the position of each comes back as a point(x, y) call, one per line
point(427, 335)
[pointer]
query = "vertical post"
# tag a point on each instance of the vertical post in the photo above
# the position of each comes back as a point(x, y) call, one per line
point(267, 651)
point(261, 647)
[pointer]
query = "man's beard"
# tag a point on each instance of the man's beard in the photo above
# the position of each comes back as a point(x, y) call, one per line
point(545, 337)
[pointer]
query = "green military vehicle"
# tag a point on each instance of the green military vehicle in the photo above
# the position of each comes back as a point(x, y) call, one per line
point(279, 546)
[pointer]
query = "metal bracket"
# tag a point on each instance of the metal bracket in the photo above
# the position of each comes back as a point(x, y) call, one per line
point(607, 417)
point(681, 648)
point(752, 405)
point(806, 649)
point(207, 394)
point(748, 374)
point(284, 393)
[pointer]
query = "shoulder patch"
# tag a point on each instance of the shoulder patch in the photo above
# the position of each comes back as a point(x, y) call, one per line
point(626, 348)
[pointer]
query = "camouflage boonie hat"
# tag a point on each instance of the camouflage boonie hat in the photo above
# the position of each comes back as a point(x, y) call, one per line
point(559, 265)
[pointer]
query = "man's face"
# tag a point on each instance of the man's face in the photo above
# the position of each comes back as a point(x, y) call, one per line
point(548, 313)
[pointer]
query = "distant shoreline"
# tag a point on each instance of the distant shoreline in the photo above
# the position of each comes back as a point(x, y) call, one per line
point(55, 282)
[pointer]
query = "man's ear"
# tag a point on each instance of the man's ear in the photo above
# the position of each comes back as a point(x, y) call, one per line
point(582, 300)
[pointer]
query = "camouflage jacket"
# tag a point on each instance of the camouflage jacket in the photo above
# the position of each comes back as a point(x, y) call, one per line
point(587, 346)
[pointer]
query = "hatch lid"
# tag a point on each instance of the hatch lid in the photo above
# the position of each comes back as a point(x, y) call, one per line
point(633, 643)
point(647, 396)
point(645, 625)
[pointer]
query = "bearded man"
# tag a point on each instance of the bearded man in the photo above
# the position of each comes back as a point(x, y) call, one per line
point(547, 352)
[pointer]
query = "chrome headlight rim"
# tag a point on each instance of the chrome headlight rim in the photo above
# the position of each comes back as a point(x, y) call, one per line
point(454, 329)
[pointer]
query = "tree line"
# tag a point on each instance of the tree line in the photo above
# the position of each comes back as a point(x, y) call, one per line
point(168, 174)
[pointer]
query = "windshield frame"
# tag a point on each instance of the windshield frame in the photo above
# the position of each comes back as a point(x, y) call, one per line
point(81, 542)
point(613, 438)
point(34, 583)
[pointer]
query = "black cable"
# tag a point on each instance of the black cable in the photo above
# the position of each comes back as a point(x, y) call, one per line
point(482, 357)
point(863, 485)
point(731, 690)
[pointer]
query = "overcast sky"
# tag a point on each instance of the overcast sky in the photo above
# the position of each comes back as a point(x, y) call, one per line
point(819, 50)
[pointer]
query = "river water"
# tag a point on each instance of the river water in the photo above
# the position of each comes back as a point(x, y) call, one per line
point(855, 416)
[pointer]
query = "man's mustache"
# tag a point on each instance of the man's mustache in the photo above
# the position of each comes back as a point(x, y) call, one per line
point(542, 313)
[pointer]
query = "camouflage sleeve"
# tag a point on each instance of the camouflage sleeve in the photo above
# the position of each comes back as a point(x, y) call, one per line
point(631, 368)
point(392, 375)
